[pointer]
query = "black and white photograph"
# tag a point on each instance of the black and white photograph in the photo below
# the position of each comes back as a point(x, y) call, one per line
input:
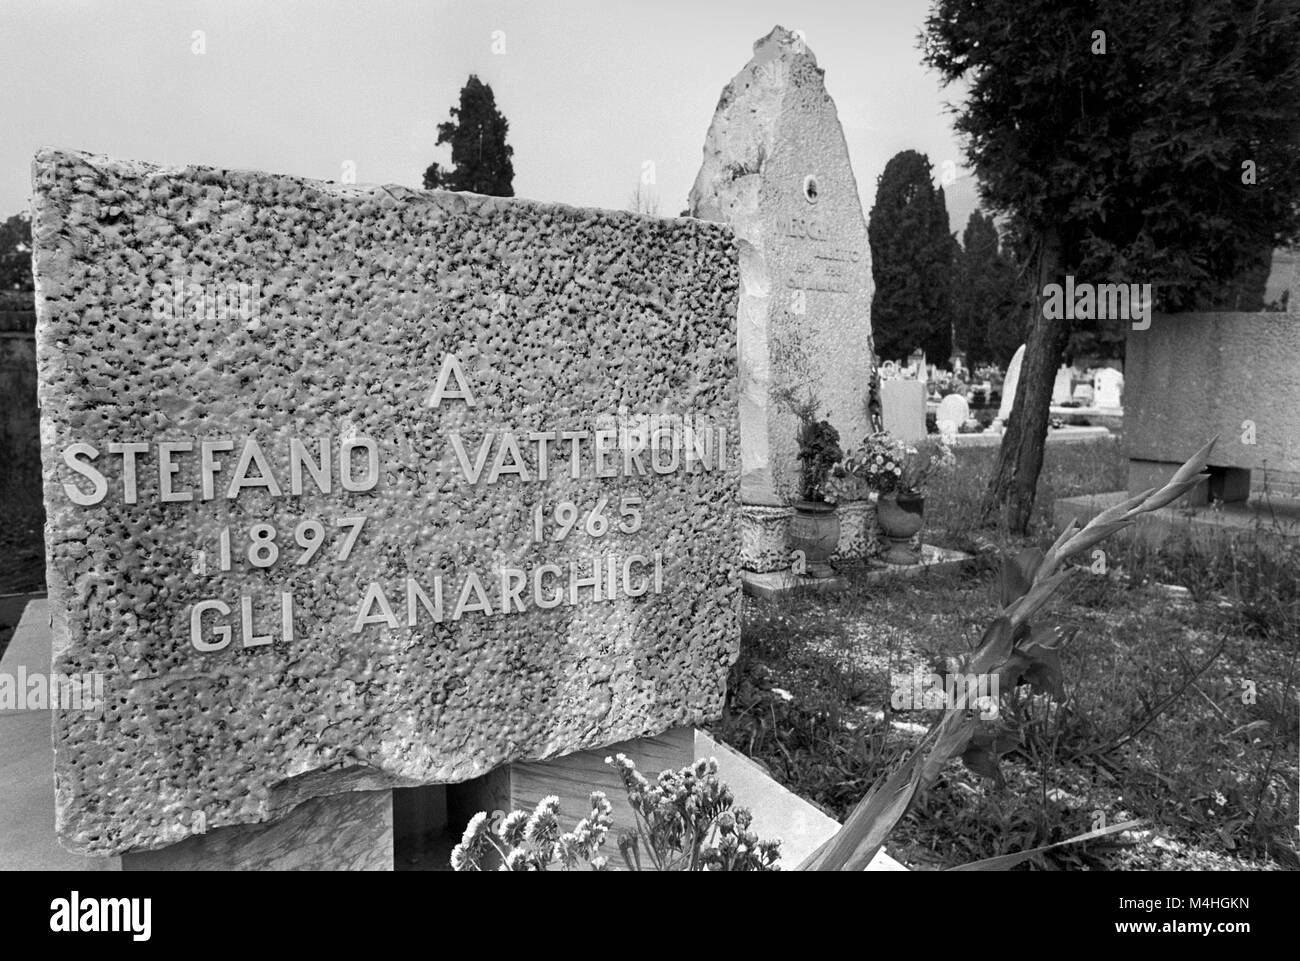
point(733, 435)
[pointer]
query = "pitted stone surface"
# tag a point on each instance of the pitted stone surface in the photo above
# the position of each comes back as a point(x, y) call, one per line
point(776, 168)
point(558, 315)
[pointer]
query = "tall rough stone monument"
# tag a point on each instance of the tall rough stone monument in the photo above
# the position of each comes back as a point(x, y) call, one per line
point(776, 168)
point(353, 488)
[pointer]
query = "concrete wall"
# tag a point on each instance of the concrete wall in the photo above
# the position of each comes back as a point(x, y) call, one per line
point(1190, 376)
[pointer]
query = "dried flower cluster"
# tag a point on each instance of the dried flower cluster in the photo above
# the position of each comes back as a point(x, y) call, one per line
point(533, 842)
point(685, 822)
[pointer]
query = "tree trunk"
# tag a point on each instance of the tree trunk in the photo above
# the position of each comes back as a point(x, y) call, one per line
point(1020, 458)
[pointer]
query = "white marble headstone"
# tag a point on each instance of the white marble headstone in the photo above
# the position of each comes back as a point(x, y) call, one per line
point(1064, 382)
point(1108, 388)
point(902, 409)
point(953, 412)
point(1010, 383)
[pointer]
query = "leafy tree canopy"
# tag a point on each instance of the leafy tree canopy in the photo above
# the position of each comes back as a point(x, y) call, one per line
point(1134, 129)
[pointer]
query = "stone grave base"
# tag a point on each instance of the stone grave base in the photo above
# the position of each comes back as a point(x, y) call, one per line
point(402, 828)
point(934, 560)
point(783, 585)
point(1060, 435)
point(780, 585)
point(1276, 520)
point(343, 832)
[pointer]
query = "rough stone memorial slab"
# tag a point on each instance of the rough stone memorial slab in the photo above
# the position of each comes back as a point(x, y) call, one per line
point(353, 488)
point(776, 169)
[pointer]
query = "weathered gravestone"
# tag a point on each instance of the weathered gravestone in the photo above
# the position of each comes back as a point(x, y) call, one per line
point(776, 168)
point(953, 412)
point(1062, 386)
point(353, 488)
point(902, 409)
point(1108, 388)
point(1009, 385)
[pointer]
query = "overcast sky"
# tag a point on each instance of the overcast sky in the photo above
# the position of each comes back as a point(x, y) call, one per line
point(592, 88)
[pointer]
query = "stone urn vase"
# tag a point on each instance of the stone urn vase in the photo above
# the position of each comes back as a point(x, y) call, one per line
point(815, 530)
point(857, 532)
point(901, 517)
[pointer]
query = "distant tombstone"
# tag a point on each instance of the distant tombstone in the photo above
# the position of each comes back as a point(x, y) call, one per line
point(889, 370)
point(902, 406)
point(954, 411)
point(1108, 388)
point(916, 360)
point(1083, 394)
point(1010, 383)
point(776, 170)
point(1062, 387)
point(359, 530)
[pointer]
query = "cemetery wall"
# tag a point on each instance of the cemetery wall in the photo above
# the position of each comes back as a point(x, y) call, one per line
point(352, 487)
point(1190, 376)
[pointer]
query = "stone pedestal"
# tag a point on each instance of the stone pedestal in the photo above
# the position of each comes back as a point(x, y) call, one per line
point(341, 832)
point(857, 533)
point(763, 535)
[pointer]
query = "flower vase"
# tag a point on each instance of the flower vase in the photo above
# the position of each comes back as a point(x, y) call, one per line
point(815, 530)
point(901, 517)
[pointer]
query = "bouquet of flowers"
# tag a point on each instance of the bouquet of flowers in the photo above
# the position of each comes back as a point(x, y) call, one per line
point(886, 465)
point(843, 485)
point(877, 463)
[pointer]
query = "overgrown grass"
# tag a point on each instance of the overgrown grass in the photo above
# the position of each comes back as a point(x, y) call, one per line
point(954, 500)
point(1180, 704)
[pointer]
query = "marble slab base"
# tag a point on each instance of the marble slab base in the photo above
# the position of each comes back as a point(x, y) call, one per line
point(341, 832)
point(779, 585)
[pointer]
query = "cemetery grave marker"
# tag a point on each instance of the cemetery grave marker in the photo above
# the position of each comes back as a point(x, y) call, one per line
point(1062, 385)
point(1108, 388)
point(953, 412)
point(446, 482)
point(902, 409)
point(1009, 385)
point(776, 169)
